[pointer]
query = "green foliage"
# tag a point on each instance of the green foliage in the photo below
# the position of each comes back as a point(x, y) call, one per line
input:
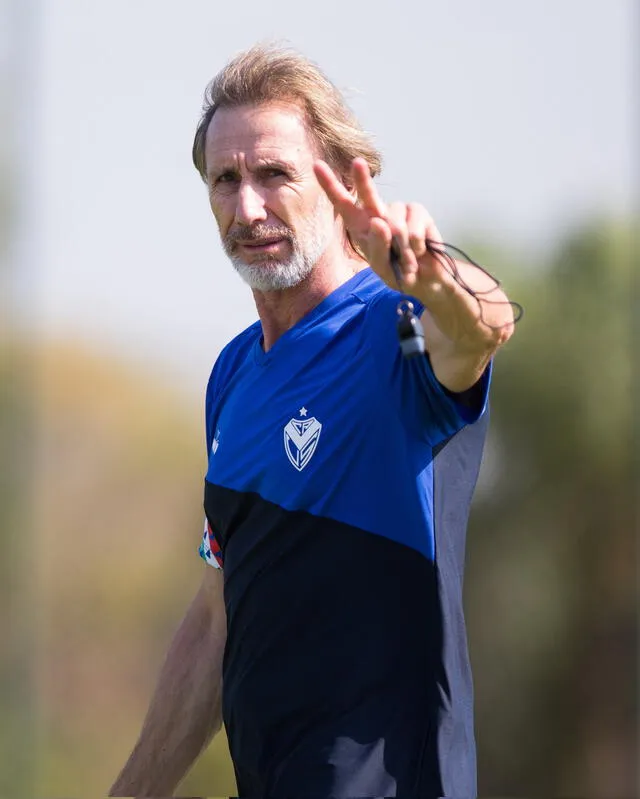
point(17, 700)
point(551, 544)
point(570, 364)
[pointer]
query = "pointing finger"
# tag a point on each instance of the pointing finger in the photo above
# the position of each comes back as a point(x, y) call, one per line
point(341, 199)
point(334, 188)
point(366, 188)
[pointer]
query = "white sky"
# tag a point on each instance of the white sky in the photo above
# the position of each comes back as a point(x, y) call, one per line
point(507, 118)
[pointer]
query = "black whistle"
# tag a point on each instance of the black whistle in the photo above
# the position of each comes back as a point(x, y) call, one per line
point(410, 330)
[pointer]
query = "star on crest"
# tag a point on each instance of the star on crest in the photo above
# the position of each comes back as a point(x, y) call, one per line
point(303, 411)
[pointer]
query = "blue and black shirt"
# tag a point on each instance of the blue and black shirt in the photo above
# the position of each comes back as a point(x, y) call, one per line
point(337, 495)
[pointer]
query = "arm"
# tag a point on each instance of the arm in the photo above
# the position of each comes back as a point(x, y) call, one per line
point(185, 710)
point(462, 333)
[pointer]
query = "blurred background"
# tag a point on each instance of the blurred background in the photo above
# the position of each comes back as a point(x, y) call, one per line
point(515, 124)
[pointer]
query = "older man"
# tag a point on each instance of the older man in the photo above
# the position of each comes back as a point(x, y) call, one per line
point(329, 634)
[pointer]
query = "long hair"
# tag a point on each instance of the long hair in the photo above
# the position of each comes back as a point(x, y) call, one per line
point(270, 73)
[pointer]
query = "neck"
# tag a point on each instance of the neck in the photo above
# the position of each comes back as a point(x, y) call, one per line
point(279, 311)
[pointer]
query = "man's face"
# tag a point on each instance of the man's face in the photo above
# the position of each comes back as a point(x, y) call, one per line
point(275, 221)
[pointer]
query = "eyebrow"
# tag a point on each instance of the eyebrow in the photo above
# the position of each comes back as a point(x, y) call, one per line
point(260, 164)
point(280, 163)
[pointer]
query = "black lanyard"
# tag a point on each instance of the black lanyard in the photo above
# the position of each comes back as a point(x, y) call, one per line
point(410, 330)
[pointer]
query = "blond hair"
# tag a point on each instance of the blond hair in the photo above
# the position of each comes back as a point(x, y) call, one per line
point(270, 73)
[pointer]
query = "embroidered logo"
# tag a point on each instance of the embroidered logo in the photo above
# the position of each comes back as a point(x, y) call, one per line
point(216, 442)
point(301, 439)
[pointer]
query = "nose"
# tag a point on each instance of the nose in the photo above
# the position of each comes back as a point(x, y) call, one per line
point(250, 205)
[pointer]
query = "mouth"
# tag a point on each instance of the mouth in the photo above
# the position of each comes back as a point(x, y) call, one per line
point(261, 245)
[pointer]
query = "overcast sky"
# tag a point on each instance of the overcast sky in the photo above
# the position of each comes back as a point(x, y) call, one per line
point(507, 118)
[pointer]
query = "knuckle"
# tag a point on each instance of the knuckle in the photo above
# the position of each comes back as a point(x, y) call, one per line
point(397, 213)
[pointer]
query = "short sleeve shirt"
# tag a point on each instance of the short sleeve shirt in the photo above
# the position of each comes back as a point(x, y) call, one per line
point(342, 544)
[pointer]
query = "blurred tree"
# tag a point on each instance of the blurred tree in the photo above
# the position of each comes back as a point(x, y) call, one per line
point(17, 695)
point(17, 690)
point(551, 586)
point(120, 460)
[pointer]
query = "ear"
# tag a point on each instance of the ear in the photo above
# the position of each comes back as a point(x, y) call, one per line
point(349, 185)
point(346, 178)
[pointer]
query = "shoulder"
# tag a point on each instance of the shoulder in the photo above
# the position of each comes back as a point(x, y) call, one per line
point(232, 355)
point(240, 344)
point(381, 313)
point(371, 290)
point(381, 303)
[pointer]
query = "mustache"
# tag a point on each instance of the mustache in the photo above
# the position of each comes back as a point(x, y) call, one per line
point(256, 232)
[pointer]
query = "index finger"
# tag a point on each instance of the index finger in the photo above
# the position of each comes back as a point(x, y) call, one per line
point(342, 200)
point(366, 188)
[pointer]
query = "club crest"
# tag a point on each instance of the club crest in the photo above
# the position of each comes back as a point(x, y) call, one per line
point(301, 439)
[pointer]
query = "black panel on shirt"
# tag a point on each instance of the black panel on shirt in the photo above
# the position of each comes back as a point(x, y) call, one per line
point(336, 677)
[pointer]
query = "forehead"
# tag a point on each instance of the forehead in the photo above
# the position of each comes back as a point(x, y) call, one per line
point(276, 129)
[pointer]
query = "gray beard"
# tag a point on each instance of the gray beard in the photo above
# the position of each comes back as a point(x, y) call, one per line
point(277, 275)
point(273, 275)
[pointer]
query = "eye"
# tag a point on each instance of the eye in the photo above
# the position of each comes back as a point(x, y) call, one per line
point(270, 172)
point(226, 177)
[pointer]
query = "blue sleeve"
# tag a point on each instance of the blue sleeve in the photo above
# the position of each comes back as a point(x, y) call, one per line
point(223, 369)
point(227, 362)
point(426, 408)
point(210, 398)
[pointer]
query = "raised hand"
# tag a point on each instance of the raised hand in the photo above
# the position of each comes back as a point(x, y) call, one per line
point(374, 225)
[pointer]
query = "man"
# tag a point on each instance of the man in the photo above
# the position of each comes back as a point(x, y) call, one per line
point(329, 633)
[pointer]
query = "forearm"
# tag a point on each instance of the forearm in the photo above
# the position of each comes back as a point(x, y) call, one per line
point(463, 331)
point(185, 711)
